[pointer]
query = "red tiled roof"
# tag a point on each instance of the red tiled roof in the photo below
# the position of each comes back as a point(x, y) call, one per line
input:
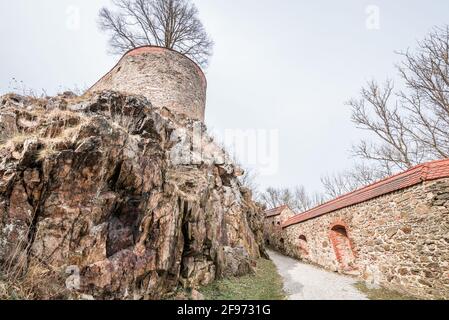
point(424, 172)
point(275, 212)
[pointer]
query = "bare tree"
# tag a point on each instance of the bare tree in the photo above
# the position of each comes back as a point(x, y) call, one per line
point(347, 181)
point(411, 125)
point(304, 201)
point(274, 198)
point(426, 75)
point(249, 181)
point(396, 148)
point(336, 185)
point(297, 198)
point(173, 24)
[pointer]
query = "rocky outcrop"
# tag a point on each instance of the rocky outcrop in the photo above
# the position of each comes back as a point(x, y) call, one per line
point(132, 200)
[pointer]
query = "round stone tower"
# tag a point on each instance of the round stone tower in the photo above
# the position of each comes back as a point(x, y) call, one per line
point(167, 78)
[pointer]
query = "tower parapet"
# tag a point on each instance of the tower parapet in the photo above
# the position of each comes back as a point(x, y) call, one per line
point(167, 78)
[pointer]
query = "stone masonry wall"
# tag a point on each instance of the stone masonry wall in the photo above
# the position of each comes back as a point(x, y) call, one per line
point(399, 241)
point(167, 78)
point(273, 228)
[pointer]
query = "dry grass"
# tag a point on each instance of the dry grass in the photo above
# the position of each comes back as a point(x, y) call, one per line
point(25, 277)
point(80, 98)
point(53, 139)
point(19, 138)
point(38, 113)
point(13, 291)
point(266, 284)
point(54, 130)
point(381, 293)
point(39, 282)
point(39, 101)
point(45, 153)
point(58, 114)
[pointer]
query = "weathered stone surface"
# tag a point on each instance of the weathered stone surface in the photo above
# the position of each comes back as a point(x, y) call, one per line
point(107, 184)
point(169, 79)
point(237, 262)
point(274, 218)
point(398, 241)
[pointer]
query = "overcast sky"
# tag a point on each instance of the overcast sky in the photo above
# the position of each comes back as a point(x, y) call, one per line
point(286, 65)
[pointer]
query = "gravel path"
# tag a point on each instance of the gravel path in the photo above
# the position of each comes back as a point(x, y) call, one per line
point(306, 282)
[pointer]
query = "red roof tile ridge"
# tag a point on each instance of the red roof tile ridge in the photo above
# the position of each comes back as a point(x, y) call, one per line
point(425, 174)
point(276, 208)
point(425, 171)
point(276, 211)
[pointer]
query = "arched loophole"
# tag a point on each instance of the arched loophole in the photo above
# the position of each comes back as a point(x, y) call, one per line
point(340, 230)
point(303, 245)
point(342, 247)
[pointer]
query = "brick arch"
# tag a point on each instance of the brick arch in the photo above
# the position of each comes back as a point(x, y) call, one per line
point(303, 245)
point(342, 245)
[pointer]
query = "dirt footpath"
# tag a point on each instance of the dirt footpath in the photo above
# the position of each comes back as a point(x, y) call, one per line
point(306, 282)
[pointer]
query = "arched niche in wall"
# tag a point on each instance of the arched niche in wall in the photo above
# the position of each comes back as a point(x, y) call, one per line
point(303, 245)
point(342, 246)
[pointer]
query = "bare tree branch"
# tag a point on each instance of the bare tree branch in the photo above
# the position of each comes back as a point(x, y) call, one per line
point(248, 180)
point(410, 126)
point(297, 198)
point(360, 175)
point(173, 24)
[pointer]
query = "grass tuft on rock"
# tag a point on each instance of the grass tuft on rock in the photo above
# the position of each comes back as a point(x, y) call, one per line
point(265, 284)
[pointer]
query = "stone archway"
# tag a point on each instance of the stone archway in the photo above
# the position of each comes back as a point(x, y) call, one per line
point(303, 245)
point(342, 247)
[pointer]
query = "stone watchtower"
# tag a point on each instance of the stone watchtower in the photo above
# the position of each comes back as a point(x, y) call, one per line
point(167, 78)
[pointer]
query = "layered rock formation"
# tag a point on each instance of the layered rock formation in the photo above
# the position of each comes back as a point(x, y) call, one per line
point(133, 200)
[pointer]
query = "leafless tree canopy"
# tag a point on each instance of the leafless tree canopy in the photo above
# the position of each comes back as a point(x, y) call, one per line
point(410, 125)
point(297, 198)
point(360, 175)
point(172, 24)
point(249, 180)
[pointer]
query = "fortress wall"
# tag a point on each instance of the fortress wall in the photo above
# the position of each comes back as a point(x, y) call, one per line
point(167, 78)
point(273, 226)
point(399, 240)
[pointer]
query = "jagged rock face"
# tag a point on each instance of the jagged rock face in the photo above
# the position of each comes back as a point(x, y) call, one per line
point(113, 187)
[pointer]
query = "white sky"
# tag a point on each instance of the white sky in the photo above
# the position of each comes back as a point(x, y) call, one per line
point(288, 65)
